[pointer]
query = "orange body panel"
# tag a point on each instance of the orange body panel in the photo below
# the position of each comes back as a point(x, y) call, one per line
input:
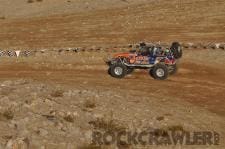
point(125, 54)
point(130, 56)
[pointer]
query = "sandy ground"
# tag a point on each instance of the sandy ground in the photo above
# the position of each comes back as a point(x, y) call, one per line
point(55, 99)
point(192, 99)
point(166, 21)
point(196, 81)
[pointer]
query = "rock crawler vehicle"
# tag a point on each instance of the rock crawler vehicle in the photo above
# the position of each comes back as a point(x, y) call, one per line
point(161, 62)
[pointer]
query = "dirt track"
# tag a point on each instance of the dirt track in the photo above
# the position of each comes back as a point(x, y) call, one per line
point(52, 99)
point(196, 83)
point(162, 20)
point(70, 82)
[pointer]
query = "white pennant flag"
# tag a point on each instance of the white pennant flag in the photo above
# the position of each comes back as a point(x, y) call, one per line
point(217, 45)
point(17, 53)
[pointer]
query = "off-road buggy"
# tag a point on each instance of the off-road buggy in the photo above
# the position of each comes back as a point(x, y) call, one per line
point(161, 62)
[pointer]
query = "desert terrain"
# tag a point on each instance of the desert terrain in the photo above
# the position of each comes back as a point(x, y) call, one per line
point(55, 97)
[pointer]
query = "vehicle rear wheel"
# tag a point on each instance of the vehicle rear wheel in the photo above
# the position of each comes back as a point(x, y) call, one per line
point(159, 72)
point(118, 70)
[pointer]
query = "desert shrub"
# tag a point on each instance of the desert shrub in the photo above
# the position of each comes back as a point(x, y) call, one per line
point(69, 118)
point(160, 118)
point(90, 104)
point(57, 93)
point(8, 114)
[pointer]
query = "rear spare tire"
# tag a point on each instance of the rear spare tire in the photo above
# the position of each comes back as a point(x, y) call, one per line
point(176, 49)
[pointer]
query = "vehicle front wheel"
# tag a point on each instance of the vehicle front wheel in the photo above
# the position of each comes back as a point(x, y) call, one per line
point(159, 72)
point(118, 70)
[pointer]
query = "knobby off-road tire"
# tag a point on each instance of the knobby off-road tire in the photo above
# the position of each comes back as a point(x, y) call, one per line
point(159, 72)
point(118, 70)
point(176, 50)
